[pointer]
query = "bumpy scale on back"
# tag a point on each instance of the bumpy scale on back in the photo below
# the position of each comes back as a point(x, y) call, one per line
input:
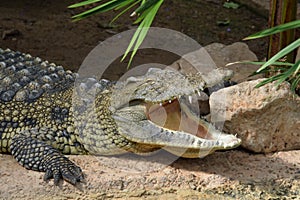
point(43, 115)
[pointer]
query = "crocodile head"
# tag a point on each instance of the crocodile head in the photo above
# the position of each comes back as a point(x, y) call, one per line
point(159, 110)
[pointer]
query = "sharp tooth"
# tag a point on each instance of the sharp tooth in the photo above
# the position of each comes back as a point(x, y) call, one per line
point(160, 104)
point(170, 101)
point(190, 99)
point(199, 93)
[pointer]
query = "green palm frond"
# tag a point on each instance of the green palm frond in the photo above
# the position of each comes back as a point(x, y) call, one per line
point(98, 9)
point(290, 74)
point(286, 71)
point(146, 12)
point(145, 20)
point(281, 54)
point(274, 30)
point(83, 3)
point(130, 4)
point(260, 63)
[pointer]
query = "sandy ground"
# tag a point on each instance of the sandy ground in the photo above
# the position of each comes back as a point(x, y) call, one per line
point(232, 174)
point(43, 28)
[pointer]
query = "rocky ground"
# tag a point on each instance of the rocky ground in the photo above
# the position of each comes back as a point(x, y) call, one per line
point(44, 29)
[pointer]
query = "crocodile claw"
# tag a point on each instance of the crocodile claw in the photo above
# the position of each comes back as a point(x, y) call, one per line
point(61, 168)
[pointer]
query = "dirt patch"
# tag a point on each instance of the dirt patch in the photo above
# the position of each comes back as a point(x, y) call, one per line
point(45, 29)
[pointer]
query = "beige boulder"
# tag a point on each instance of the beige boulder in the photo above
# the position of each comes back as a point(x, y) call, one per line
point(217, 55)
point(238, 51)
point(267, 119)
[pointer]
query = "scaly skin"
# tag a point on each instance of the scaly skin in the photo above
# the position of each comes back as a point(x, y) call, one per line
point(45, 113)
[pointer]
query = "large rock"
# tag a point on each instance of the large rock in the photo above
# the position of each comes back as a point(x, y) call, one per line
point(267, 119)
point(238, 51)
point(217, 55)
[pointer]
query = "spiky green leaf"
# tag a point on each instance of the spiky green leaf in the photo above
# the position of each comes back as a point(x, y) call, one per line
point(281, 54)
point(99, 9)
point(277, 29)
point(142, 30)
point(259, 63)
point(129, 4)
point(83, 3)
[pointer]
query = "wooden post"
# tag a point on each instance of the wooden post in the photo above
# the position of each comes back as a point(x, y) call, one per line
point(282, 11)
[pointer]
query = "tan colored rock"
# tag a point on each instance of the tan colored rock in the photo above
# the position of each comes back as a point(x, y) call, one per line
point(267, 119)
point(217, 55)
point(238, 51)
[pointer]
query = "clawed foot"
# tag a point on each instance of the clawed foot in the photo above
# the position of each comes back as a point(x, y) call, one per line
point(61, 168)
point(37, 155)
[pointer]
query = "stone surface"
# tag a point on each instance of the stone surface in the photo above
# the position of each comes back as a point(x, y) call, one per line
point(219, 55)
point(267, 119)
point(238, 51)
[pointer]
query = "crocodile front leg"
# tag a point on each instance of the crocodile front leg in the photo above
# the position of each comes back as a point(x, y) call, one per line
point(37, 155)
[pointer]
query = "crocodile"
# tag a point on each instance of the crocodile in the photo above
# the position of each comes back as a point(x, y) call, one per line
point(47, 112)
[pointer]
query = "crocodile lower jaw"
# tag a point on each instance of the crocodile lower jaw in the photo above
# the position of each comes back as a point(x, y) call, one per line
point(177, 115)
